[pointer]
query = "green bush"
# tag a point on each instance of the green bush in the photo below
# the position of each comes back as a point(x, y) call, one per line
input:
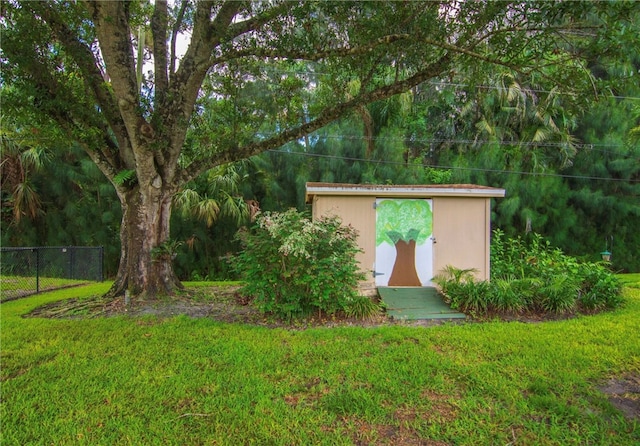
point(292, 265)
point(461, 291)
point(510, 295)
point(531, 275)
point(599, 289)
point(363, 308)
point(558, 294)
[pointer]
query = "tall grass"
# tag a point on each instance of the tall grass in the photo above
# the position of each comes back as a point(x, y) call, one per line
point(178, 380)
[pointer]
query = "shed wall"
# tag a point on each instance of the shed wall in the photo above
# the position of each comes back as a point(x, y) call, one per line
point(461, 227)
point(357, 211)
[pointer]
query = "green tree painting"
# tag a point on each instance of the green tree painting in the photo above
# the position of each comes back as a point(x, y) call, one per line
point(404, 224)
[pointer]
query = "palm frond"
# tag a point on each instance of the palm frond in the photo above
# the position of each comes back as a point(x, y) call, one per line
point(26, 201)
point(208, 210)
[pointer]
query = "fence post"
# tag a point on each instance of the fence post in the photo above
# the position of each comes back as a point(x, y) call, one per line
point(101, 251)
point(71, 251)
point(37, 270)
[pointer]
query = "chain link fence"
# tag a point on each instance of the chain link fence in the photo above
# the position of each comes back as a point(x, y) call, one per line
point(26, 271)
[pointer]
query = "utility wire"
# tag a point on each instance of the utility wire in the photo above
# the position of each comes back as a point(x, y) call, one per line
point(455, 84)
point(471, 169)
point(584, 146)
point(588, 147)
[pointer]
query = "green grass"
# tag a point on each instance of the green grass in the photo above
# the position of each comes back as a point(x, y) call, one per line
point(630, 280)
point(179, 381)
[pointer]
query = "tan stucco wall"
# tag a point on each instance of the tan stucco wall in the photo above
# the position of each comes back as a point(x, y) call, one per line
point(461, 227)
point(359, 213)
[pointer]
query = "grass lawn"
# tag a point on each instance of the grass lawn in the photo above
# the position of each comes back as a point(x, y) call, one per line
point(183, 381)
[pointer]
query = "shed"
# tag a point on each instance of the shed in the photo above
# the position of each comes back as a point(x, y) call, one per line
point(408, 234)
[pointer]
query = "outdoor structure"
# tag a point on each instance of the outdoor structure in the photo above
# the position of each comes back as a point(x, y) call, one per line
point(408, 234)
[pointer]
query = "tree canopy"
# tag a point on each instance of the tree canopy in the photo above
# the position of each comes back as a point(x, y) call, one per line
point(157, 93)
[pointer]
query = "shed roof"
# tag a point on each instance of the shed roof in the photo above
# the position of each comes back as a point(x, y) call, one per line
point(416, 190)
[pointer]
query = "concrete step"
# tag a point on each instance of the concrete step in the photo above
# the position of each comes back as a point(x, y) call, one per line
point(416, 303)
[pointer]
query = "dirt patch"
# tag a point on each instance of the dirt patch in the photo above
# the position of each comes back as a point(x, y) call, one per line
point(224, 303)
point(365, 433)
point(221, 303)
point(624, 395)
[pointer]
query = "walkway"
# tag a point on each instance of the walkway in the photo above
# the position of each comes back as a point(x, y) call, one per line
point(411, 303)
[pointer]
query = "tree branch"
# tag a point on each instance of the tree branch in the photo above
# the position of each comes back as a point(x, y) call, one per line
point(458, 49)
point(328, 115)
point(194, 67)
point(174, 36)
point(237, 29)
point(103, 155)
point(159, 23)
point(86, 61)
point(265, 53)
point(114, 33)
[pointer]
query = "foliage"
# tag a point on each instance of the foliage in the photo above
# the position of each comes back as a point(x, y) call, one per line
point(571, 173)
point(462, 291)
point(599, 289)
point(179, 380)
point(76, 205)
point(363, 308)
point(293, 265)
point(20, 158)
point(531, 275)
point(215, 194)
point(168, 249)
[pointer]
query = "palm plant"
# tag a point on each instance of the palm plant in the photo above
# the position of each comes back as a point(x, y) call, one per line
point(215, 194)
point(20, 156)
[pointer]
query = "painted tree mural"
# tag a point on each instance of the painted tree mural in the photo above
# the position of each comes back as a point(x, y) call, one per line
point(404, 224)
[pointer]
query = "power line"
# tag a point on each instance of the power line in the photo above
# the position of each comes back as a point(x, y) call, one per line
point(472, 142)
point(491, 87)
point(471, 169)
point(584, 146)
point(456, 84)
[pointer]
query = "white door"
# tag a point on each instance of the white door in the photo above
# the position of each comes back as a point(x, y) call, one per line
point(404, 244)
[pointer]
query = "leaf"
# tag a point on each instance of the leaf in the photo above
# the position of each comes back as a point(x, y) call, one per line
point(124, 176)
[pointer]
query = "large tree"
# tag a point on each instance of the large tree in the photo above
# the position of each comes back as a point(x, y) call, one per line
point(253, 75)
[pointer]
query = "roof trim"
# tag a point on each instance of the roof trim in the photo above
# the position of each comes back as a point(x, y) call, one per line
point(418, 190)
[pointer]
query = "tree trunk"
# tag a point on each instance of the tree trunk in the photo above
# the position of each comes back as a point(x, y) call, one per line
point(146, 268)
point(404, 269)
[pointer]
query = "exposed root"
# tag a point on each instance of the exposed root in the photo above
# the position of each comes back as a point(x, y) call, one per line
point(74, 308)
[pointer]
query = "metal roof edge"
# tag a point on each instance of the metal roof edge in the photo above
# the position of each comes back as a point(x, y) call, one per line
point(425, 190)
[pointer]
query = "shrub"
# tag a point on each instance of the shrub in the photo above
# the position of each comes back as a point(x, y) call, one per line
point(293, 265)
point(560, 282)
point(510, 295)
point(599, 289)
point(470, 297)
point(461, 291)
point(558, 294)
point(363, 308)
point(531, 275)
